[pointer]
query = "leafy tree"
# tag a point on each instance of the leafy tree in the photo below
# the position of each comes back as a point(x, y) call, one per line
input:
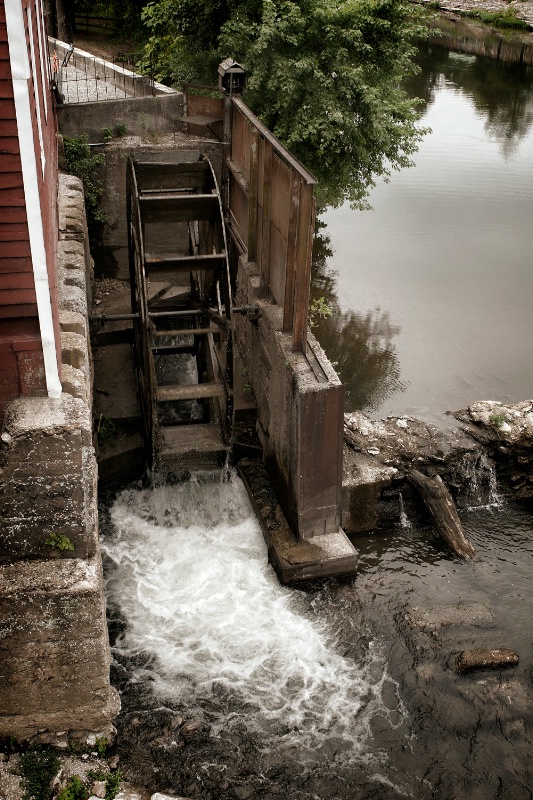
point(324, 75)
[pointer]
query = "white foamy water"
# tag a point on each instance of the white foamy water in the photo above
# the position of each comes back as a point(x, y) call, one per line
point(187, 567)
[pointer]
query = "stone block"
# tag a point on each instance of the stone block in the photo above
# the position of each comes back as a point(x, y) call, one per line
point(71, 322)
point(74, 351)
point(54, 665)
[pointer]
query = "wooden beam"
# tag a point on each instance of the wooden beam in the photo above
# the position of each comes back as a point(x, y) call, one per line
point(302, 268)
point(195, 391)
point(292, 244)
point(252, 196)
point(167, 207)
point(264, 285)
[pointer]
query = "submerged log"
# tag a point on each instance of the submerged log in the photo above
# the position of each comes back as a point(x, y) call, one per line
point(485, 658)
point(442, 508)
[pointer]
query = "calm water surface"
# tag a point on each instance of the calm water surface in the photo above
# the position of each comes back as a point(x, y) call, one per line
point(435, 285)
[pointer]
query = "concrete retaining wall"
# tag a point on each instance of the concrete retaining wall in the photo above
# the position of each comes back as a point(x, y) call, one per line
point(143, 116)
point(54, 652)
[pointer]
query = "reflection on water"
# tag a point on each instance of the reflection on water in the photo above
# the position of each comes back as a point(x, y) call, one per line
point(360, 346)
point(445, 255)
point(501, 92)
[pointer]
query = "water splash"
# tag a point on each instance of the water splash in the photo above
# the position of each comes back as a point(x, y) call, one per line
point(187, 568)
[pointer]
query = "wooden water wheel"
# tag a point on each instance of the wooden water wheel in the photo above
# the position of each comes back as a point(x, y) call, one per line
point(181, 299)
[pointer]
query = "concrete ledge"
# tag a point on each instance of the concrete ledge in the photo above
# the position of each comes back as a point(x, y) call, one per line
point(294, 561)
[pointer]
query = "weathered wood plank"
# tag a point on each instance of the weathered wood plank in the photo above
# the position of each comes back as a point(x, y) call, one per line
point(195, 391)
point(184, 438)
point(10, 280)
point(184, 263)
point(178, 207)
point(186, 332)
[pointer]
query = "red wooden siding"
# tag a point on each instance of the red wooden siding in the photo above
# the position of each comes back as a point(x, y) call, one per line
point(21, 357)
point(14, 243)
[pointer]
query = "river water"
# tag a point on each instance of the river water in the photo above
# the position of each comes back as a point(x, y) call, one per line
point(234, 687)
point(433, 288)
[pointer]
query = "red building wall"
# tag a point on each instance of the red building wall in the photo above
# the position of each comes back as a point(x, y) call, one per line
point(22, 370)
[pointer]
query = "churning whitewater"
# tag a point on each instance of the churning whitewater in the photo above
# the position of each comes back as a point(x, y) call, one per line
point(187, 569)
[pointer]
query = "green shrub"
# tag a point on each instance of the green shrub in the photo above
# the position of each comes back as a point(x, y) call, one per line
point(112, 780)
point(82, 162)
point(74, 790)
point(37, 768)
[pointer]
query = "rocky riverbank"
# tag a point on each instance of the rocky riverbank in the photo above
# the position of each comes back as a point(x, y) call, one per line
point(492, 441)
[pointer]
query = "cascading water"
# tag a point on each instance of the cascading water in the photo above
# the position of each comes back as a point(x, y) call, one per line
point(477, 474)
point(208, 627)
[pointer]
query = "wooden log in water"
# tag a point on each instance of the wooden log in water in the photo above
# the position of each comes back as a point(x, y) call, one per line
point(440, 504)
point(484, 658)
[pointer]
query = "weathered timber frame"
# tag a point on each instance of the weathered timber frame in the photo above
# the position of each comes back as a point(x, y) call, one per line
point(271, 214)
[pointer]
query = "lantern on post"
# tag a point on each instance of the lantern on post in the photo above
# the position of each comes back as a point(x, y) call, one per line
point(231, 77)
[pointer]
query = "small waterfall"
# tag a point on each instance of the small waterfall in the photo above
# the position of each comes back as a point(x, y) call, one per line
point(404, 522)
point(477, 475)
point(209, 627)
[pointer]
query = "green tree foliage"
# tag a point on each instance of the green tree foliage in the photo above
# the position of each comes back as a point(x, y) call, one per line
point(324, 75)
point(326, 79)
point(80, 161)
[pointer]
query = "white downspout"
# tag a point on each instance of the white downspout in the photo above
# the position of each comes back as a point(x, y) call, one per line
point(21, 75)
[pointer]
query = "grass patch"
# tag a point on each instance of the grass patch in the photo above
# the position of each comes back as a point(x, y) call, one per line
point(499, 19)
point(37, 768)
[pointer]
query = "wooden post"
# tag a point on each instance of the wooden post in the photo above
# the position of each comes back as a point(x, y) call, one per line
point(302, 268)
point(292, 246)
point(264, 285)
point(252, 194)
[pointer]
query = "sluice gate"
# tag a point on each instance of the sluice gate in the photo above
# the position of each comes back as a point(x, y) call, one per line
point(182, 310)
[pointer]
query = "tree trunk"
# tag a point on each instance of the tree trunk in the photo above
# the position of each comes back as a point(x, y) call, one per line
point(442, 508)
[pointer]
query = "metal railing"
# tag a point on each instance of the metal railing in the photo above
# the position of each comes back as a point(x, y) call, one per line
point(80, 77)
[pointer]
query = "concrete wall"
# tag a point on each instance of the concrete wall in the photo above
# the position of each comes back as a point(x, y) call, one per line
point(54, 653)
point(143, 116)
point(300, 414)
